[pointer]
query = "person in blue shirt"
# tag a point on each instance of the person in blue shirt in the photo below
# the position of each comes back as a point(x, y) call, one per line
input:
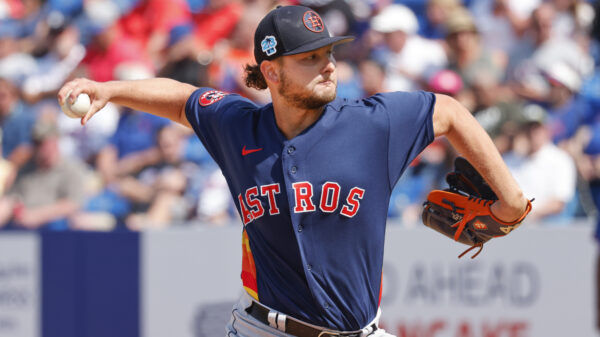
point(311, 174)
point(16, 123)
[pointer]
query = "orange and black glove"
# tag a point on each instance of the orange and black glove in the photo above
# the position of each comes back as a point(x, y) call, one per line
point(462, 211)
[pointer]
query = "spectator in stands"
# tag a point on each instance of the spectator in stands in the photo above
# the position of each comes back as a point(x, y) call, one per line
point(409, 58)
point(63, 54)
point(501, 23)
point(445, 82)
point(17, 120)
point(496, 109)
point(215, 22)
point(7, 172)
point(150, 23)
point(48, 190)
point(572, 17)
point(595, 27)
point(181, 61)
point(12, 10)
point(466, 54)
point(584, 148)
point(544, 171)
point(541, 48)
point(131, 148)
point(372, 77)
point(449, 83)
point(15, 64)
point(567, 110)
point(159, 189)
point(110, 47)
point(438, 12)
point(206, 41)
point(85, 142)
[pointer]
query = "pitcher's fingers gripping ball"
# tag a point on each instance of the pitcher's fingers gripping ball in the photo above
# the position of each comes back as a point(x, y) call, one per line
point(78, 108)
point(82, 98)
point(462, 211)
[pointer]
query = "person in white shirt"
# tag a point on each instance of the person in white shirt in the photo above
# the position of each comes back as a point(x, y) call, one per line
point(544, 171)
point(411, 59)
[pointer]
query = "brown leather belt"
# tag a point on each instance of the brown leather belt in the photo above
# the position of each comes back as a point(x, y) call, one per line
point(296, 328)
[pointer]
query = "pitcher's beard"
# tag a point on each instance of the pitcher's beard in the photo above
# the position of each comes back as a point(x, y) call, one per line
point(304, 100)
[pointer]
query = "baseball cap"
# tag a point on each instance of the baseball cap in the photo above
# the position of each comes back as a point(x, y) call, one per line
point(561, 73)
point(445, 82)
point(289, 30)
point(395, 18)
point(460, 20)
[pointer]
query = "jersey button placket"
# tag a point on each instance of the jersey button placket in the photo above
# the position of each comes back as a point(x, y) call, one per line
point(289, 151)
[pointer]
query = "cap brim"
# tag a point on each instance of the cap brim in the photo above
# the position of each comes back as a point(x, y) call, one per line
point(333, 40)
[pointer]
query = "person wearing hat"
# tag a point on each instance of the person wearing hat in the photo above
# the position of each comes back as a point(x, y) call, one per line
point(409, 58)
point(567, 109)
point(310, 174)
point(466, 54)
point(48, 189)
point(540, 49)
point(437, 12)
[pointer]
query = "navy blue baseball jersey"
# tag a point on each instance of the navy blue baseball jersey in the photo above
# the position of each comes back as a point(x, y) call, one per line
point(314, 207)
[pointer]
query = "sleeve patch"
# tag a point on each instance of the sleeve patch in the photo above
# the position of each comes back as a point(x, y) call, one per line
point(210, 97)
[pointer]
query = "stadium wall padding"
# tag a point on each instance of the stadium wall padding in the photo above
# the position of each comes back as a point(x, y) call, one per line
point(90, 284)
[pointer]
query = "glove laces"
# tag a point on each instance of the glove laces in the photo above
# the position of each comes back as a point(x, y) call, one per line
point(480, 245)
point(465, 219)
point(469, 215)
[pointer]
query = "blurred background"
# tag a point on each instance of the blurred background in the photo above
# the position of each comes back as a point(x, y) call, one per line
point(91, 217)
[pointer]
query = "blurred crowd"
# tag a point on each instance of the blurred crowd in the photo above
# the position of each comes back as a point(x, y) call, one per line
point(528, 70)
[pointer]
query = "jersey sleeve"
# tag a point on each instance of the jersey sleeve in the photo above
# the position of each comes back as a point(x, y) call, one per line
point(410, 128)
point(213, 115)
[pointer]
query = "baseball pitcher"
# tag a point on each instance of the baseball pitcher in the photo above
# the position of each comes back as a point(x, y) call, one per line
point(312, 174)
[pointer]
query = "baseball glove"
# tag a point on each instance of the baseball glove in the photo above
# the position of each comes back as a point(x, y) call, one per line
point(462, 211)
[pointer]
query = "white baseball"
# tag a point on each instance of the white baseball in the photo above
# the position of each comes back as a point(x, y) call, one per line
point(79, 108)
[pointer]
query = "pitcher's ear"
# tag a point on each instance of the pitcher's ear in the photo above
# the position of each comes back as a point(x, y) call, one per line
point(269, 71)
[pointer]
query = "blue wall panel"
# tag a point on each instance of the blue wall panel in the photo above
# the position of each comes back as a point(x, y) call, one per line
point(90, 284)
point(59, 285)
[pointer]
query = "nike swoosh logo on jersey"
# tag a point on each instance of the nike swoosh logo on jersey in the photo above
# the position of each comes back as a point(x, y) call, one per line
point(245, 152)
